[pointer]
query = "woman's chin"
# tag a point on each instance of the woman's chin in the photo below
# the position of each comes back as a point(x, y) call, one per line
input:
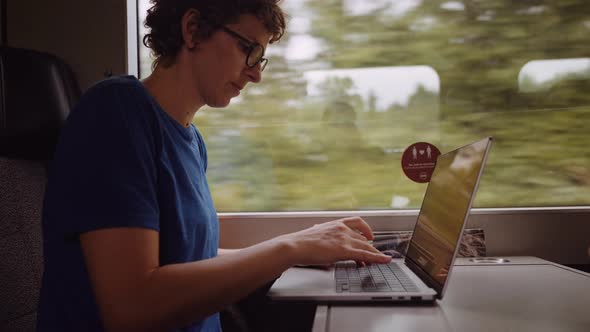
point(219, 103)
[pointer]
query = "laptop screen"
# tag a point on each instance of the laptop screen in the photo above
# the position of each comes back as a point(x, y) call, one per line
point(444, 209)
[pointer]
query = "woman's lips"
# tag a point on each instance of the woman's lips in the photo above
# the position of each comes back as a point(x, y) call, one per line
point(237, 87)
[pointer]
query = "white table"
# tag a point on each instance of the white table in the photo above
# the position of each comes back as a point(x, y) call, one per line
point(525, 294)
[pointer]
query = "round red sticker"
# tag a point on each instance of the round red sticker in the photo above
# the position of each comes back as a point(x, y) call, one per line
point(418, 161)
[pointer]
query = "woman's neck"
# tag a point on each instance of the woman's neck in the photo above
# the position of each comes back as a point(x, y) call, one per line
point(174, 93)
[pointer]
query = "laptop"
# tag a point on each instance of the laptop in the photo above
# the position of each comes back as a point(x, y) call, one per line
point(424, 272)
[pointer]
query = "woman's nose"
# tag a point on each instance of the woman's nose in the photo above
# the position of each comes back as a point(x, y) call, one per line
point(254, 73)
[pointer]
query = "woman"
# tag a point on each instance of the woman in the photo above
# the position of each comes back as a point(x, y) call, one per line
point(130, 230)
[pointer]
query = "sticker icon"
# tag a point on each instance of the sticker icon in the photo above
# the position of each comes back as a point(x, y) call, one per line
point(418, 161)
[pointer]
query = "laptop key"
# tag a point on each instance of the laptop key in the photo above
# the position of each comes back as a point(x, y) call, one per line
point(355, 289)
point(372, 278)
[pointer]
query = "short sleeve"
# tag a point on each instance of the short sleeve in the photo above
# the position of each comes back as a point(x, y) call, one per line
point(202, 147)
point(104, 172)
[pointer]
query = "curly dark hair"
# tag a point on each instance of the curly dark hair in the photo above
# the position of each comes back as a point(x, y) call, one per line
point(165, 16)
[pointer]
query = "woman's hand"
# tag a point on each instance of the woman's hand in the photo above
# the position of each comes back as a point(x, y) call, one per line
point(327, 243)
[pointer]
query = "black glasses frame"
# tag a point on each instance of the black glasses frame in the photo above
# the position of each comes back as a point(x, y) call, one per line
point(251, 47)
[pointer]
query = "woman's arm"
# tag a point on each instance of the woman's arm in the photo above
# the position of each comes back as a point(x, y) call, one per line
point(222, 251)
point(134, 293)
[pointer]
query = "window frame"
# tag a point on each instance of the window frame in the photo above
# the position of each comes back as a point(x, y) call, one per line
point(558, 234)
point(132, 53)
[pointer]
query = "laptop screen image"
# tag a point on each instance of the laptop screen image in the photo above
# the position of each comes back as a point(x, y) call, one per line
point(445, 206)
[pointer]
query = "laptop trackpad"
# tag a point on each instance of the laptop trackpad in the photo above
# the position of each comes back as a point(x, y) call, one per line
point(302, 283)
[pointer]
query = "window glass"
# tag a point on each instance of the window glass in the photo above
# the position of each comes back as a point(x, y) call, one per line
point(354, 82)
point(545, 75)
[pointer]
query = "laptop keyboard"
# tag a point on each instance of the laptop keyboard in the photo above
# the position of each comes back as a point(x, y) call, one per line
point(373, 278)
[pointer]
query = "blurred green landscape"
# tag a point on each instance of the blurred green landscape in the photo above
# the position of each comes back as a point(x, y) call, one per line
point(353, 83)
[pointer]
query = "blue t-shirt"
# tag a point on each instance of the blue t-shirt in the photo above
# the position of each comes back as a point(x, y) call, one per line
point(121, 161)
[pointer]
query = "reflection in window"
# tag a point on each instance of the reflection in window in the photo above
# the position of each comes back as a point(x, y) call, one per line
point(387, 102)
point(541, 75)
point(337, 146)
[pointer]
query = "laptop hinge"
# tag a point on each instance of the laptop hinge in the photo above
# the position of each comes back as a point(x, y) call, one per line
point(428, 280)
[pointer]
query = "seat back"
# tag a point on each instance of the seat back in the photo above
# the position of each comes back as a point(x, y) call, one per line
point(37, 91)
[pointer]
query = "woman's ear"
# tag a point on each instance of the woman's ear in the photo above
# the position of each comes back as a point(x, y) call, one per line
point(190, 27)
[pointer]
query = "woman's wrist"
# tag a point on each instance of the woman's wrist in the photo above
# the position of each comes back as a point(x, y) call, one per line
point(286, 249)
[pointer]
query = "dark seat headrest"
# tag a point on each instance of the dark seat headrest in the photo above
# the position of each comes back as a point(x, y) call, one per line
point(37, 92)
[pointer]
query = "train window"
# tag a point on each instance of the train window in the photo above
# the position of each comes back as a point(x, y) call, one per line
point(354, 82)
point(547, 75)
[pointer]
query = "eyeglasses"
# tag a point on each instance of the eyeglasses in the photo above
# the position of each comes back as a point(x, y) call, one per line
point(254, 51)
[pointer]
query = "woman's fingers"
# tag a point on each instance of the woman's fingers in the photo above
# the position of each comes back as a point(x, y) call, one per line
point(364, 256)
point(359, 225)
point(343, 239)
point(363, 251)
point(356, 235)
point(364, 245)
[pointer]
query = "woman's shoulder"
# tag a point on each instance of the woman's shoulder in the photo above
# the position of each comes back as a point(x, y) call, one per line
point(115, 86)
point(113, 100)
point(114, 94)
